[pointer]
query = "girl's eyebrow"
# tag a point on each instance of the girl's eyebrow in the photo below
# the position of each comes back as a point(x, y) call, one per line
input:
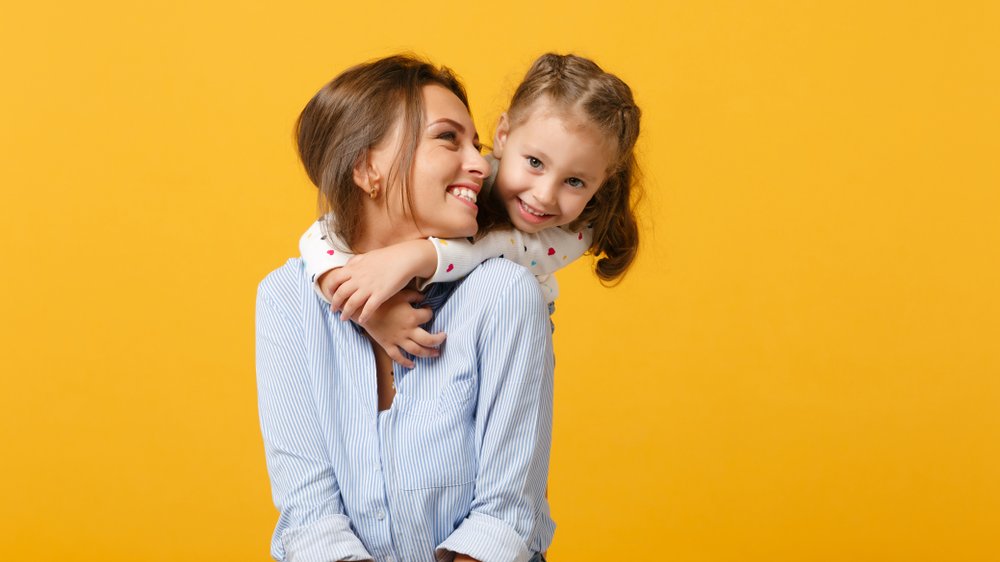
point(537, 153)
point(545, 158)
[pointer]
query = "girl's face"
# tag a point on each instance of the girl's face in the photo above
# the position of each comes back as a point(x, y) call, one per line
point(447, 174)
point(551, 164)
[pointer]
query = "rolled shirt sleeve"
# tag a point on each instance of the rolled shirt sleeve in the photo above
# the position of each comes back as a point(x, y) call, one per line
point(312, 526)
point(509, 519)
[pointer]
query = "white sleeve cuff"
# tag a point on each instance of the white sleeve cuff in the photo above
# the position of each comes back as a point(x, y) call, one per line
point(329, 539)
point(486, 539)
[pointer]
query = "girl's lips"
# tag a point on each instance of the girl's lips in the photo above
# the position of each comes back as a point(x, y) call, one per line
point(528, 215)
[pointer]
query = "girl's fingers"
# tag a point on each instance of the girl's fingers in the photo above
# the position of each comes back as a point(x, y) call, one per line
point(426, 339)
point(341, 295)
point(331, 281)
point(374, 301)
point(353, 304)
point(397, 356)
point(411, 296)
point(417, 350)
point(422, 315)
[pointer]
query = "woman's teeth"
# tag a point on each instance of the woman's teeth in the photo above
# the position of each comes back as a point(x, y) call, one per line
point(464, 193)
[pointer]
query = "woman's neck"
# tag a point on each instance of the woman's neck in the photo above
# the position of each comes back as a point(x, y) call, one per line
point(379, 230)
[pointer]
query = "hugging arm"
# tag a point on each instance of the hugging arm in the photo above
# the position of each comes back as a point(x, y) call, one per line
point(362, 283)
point(321, 251)
point(509, 519)
point(312, 525)
point(541, 253)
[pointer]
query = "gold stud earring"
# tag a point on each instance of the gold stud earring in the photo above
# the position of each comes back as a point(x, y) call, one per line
point(373, 192)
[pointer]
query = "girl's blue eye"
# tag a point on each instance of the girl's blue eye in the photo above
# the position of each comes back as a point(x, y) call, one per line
point(575, 182)
point(534, 162)
point(448, 136)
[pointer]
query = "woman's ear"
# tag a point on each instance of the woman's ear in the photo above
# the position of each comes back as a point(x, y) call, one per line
point(500, 137)
point(367, 176)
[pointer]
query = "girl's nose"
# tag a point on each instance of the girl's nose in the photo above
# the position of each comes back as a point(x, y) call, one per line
point(545, 194)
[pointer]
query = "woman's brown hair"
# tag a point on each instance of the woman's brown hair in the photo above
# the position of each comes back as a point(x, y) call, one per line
point(351, 115)
point(581, 88)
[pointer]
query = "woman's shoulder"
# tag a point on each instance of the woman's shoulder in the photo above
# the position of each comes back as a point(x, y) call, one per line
point(501, 279)
point(283, 286)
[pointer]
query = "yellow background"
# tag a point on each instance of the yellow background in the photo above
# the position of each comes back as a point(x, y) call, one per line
point(803, 365)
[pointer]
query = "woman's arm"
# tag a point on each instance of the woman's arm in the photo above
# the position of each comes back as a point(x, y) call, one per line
point(509, 518)
point(541, 253)
point(312, 524)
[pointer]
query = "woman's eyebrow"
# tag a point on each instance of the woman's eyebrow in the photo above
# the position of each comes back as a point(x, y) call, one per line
point(451, 122)
point(456, 124)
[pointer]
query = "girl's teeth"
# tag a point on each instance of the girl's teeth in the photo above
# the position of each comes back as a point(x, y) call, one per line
point(530, 210)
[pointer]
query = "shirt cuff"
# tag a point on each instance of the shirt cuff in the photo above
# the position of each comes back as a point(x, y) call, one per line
point(329, 539)
point(486, 539)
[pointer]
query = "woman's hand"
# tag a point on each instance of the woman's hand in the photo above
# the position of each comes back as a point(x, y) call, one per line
point(370, 279)
point(396, 328)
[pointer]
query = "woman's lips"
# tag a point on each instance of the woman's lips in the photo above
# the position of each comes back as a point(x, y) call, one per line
point(467, 193)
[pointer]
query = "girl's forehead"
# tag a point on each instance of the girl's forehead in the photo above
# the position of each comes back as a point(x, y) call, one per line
point(566, 122)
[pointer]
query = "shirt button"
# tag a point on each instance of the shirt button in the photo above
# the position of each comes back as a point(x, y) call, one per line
point(380, 515)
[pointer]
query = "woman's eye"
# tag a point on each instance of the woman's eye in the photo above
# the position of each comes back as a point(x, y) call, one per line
point(449, 136)
point(575, 182)
point(534, 162)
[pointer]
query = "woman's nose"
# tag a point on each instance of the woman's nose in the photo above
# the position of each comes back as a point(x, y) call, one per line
point(476, 163)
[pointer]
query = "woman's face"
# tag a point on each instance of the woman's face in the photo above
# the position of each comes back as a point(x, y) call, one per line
point(448, 170)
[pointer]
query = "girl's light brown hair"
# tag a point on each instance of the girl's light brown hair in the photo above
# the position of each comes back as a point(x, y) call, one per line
point(580, 88)
point(351, 115)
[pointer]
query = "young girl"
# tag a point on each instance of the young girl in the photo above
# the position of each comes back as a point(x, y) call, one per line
point(564, 170)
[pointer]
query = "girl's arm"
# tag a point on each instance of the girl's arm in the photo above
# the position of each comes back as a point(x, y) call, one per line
point(541, 253)
point(321, 251)
point(369, 280)
point(348, 281)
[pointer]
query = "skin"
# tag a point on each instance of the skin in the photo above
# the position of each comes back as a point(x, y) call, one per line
point(447, 159)
point(447, 156)
point(551, 164)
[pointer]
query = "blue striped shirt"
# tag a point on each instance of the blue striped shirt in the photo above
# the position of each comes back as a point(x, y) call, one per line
point(457, 464)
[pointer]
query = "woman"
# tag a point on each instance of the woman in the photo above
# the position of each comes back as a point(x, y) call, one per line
point(369, 460)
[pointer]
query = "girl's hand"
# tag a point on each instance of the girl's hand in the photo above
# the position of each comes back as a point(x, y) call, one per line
point(369, 279)
point(396, 328)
